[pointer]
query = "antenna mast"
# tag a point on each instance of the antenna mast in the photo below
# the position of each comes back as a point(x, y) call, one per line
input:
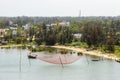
point(79, 13)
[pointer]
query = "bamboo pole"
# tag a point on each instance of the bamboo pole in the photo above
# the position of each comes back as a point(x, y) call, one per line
point(61, 62)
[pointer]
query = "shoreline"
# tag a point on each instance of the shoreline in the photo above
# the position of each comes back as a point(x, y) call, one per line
point(83, 50)
point(6, 46)
point(92, 52)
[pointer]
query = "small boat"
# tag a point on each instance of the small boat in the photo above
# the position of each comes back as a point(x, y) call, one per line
point(32, 56)
point(95, 59)
point(117, 60)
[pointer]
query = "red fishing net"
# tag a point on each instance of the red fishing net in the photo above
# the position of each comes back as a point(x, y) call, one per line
point(58, 58)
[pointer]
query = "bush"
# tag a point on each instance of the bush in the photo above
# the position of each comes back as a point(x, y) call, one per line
point(117, 51)
point(18, 40)
point(80, 44)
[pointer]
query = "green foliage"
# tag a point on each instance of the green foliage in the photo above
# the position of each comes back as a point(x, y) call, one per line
point(24, 46)
point(80, 53)
point(18, 40)
point(75, 27)
point(39, 49)
point(53, 35)
point(79, 44)
point(117, 51)
point(93, 33)
point(43, 43)
point(110, 45)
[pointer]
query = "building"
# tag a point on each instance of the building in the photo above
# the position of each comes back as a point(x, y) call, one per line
point(77, 35)
point(64, 23)
point(26, 26)
point(2, 31)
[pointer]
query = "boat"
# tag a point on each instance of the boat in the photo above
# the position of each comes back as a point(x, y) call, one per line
point(95, 59)
point(58, 58)
point(117, 60)
point(32, 56)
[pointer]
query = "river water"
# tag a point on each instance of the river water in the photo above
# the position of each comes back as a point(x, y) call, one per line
point(34, 69)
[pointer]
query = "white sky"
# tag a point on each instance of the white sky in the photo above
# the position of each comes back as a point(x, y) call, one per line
point(59, 7)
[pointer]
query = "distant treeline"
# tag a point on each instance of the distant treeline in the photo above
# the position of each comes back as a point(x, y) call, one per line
point(22, 20)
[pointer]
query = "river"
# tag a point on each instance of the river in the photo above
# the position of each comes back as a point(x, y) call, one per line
point(34, 69)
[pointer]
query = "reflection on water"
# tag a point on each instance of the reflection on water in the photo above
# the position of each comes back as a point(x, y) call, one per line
point(34, 69)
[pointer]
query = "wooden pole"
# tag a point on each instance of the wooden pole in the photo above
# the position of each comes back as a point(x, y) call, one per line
point(20, 54)
point(29, 61)
point(87, 59)
point(20, 62)
point(61, 62)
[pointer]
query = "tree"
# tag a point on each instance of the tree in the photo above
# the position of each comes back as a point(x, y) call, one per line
point(93, 33)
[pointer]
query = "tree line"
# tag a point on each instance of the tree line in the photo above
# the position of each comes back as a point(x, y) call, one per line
point(102, 34)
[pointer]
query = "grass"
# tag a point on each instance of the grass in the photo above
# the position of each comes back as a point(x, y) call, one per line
point(117, 51)
point(79, 44)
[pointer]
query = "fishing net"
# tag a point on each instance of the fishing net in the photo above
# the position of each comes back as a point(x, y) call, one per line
point(58, 58)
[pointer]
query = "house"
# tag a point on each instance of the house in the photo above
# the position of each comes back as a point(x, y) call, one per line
point(48, 25)
point(2, 31)
point(13, 28)
point(54, 24)
point(10, 23)
point(14, 32)
point(64, 23)
point(4, 42)
point(26, 26)
point(77, 35)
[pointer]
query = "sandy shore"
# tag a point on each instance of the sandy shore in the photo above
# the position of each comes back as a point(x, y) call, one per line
point(92, 52)
point(6, 46)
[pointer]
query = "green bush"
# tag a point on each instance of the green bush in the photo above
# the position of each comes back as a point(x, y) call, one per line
point(117, 51)
point(80, 44)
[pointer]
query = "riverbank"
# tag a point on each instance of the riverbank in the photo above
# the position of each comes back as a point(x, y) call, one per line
point(90, 52)
point(7, 46)
point(83, 50)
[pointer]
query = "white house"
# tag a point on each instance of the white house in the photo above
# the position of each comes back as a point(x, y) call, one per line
point(78, 35)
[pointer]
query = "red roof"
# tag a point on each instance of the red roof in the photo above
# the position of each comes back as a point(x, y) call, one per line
point(1, 31)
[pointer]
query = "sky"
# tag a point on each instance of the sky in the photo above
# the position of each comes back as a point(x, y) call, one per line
point(48, 8)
